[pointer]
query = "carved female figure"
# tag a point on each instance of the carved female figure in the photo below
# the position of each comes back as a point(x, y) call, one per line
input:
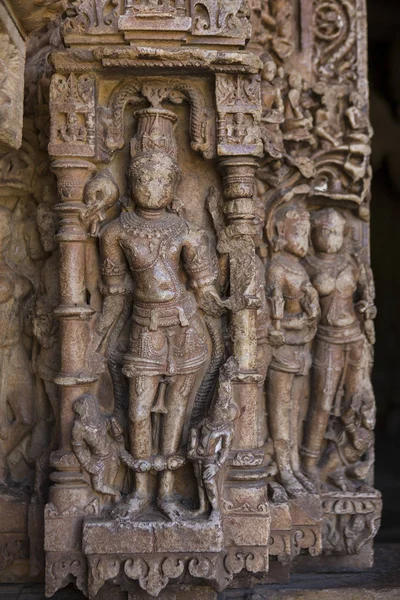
point(17, 415)
point(340, 379)
point(168, 344)
point(294, 315)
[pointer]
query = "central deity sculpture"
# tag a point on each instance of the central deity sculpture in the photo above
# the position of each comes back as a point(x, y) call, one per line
point(168, 346)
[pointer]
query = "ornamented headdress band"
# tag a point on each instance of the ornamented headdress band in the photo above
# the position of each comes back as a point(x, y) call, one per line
point(155, 133)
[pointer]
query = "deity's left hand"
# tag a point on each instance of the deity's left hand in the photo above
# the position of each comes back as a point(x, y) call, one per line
point(209, 301)
point(210, 471)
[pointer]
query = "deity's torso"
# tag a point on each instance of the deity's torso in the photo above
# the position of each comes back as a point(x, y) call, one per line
point(168, 334)
point(268, 93)
point(153, 250)
point(210, 440)
point(336, 281)
point(292, 279)
point(13, 289)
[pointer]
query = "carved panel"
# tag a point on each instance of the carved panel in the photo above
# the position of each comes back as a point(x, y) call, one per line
point(12, 59)
point(72, 99)
point(188, 327)
point(239, 112)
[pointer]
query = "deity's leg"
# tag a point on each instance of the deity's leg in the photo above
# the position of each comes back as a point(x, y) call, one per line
point(52, 394)
point(212, 493)
point(358, 399)
point(280, 390)
point(142, 393)
point(198, 472)
point(20, 399)
point(325, 382)
point(177, 401)
point(358, 381)
point(298, 391)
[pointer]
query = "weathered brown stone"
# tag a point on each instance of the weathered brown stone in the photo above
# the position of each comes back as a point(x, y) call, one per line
point(187, 329)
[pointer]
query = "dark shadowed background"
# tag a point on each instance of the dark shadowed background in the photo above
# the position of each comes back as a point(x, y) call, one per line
point(384, 75)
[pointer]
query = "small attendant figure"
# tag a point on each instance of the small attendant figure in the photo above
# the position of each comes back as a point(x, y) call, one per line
point(211, 441)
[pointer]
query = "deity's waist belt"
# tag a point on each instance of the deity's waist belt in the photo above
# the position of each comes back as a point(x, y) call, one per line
point(165, 314)
point(340, 335)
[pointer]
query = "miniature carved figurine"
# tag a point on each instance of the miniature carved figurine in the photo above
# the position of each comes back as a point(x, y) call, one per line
point(327, 126)
point(341, 387)
point(73, 131)
point(298, 124)
point(239, 129)
point(273, 109)
point(359, 138)
point(17, 414)
point(168, 344)
point(10, 63)
point(100, 194)
point(210, 443)
point(294, 315)
point(95, 446)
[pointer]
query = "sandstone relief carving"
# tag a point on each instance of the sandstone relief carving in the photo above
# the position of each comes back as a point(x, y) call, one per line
point(186, 298)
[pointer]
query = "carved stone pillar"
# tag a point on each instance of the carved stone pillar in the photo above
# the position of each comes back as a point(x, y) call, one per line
point(75, 377)
point(228, 431)
point(73, 311)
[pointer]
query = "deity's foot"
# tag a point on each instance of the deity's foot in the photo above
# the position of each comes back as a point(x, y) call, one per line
point(309, 481)
point(215, 516)
point(200, 512)
point(173, 509)
point(12, 491)
point(132, 507)
point(292, 486)
point(341, 482)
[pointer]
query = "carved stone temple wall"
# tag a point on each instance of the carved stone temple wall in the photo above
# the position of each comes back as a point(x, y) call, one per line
point(186, 299)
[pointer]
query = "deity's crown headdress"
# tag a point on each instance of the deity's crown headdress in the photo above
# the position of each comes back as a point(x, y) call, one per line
point(154, 133)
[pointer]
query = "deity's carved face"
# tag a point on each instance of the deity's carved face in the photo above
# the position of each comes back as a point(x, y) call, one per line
point(153, 179)
point(294, 230)
point(327, 232)
point(295, 81)
point(269, 71)
point(87, 408)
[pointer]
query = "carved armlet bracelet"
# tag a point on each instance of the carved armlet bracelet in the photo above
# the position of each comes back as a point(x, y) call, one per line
point(112, 289)
point(200, 283)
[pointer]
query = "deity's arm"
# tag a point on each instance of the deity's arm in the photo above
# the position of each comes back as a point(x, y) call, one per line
point(113, 270)
point(200, 265)
point(193, 443)
point(278, 101)
point(310, 301)
point(365, 291)
point(79, 446)
point(275, 282)
point(294, 99)
point(321, 121)
point(226, 444)
point(353, 114)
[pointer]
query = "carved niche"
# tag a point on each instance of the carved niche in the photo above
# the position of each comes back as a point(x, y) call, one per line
point(198, 333)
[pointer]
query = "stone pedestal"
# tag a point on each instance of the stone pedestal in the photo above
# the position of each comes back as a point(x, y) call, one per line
point(14, 541)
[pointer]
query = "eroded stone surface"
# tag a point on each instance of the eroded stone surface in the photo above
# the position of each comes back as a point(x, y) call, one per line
point(187, 361)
